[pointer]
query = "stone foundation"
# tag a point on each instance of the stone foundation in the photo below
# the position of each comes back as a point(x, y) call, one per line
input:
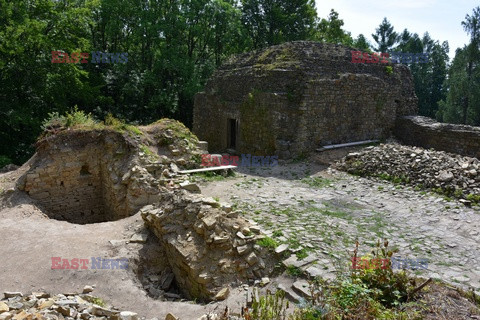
point(427, 133)
point(80, 177)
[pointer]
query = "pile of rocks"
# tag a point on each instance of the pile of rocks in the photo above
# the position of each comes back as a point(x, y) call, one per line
point(454, 174)
point(208, 246)
point(41, 305)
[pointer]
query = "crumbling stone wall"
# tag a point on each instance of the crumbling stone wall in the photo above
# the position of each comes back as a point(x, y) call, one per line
point(208, 246)
point(427, 133)
point(80, 177)
point(89, 176)
point(295, 97)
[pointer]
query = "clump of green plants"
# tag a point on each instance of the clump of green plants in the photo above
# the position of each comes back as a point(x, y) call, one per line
point(366, 293)
point(72, 118)
point(294, 271)
point(389, 70)
point(78, 119)
point(148, 152)
point(269, 307)
point(121, 126)
point(4, 161)
point(317, 182)
point(95, 300)
point(267, 242)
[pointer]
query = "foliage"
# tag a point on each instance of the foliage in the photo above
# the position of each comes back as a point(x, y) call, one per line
point(121, 126)
point(389, 70)
point(371, 293)
point(293, 271)
point(268, 307)
point(317, 182)
point(4, 161)
point(72, 118)
point(462, 101)
point(385, 37)
point(330, 30)
point(267, 242)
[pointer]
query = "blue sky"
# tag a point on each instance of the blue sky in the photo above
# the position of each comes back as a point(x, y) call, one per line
point(442, 19)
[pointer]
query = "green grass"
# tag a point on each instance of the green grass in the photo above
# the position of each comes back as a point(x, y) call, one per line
point(317, 182)
point(294, 271)
point(267, 242)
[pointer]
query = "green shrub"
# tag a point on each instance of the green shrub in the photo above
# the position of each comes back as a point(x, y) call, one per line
point(72, 118)
point(267, 242)
point(4, 161)
point(121, 126)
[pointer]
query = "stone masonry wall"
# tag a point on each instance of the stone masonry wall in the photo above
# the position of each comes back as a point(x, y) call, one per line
point(90, 176)
point(78, 177)
point(292, 98)
point(427, 133)
point(209, 247)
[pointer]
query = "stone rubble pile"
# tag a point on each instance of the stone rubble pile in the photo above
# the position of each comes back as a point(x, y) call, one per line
point(454, 174)
point(41, 305)
point(209, 247)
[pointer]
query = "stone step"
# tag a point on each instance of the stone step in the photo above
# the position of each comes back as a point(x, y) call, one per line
point(290, 294)
point(302, 287)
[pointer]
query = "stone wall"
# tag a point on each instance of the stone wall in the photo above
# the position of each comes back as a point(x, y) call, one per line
point(79, 177)
point(427, 133)
point(208, 246)
point(90, 176)
point(293, 98)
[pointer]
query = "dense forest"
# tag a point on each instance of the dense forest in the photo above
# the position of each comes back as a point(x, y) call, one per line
point(173, 46)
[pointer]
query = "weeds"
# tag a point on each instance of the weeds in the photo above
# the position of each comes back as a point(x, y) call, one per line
point(267, 242)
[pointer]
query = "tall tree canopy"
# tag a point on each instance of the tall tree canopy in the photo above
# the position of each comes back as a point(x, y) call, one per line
point(385, 37)
point(462, 104)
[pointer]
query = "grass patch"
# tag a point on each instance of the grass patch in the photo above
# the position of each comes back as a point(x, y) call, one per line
point(317, 182)
point(294, 271)
point(268, 242)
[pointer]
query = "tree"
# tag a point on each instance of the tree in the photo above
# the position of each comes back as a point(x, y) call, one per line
point(472, 26)
point(385, 37)
point(331, 30)
point(362, 43)
point(462, 103)
point(270, 22)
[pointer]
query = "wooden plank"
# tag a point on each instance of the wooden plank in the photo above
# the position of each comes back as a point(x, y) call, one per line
point(208, 169)
point(343, 145)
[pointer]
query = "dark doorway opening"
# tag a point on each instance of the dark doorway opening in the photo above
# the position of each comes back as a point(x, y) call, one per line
point(232, 130)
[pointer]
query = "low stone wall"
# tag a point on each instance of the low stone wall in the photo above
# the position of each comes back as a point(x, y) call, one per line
point(427, 133)
point(208, 246)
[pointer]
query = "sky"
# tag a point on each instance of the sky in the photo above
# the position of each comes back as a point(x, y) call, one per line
point(441, 18)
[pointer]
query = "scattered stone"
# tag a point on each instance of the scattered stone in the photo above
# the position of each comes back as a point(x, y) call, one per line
point(171, 317)
point(128, 315)
point(302, 287)
point(281, 248)
point(222, 294)
point(8, 294)
point(6, 316)
point(3, 307)
point(87, 289)
point(192, 187)
point(265, 281)
point(139, 237)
